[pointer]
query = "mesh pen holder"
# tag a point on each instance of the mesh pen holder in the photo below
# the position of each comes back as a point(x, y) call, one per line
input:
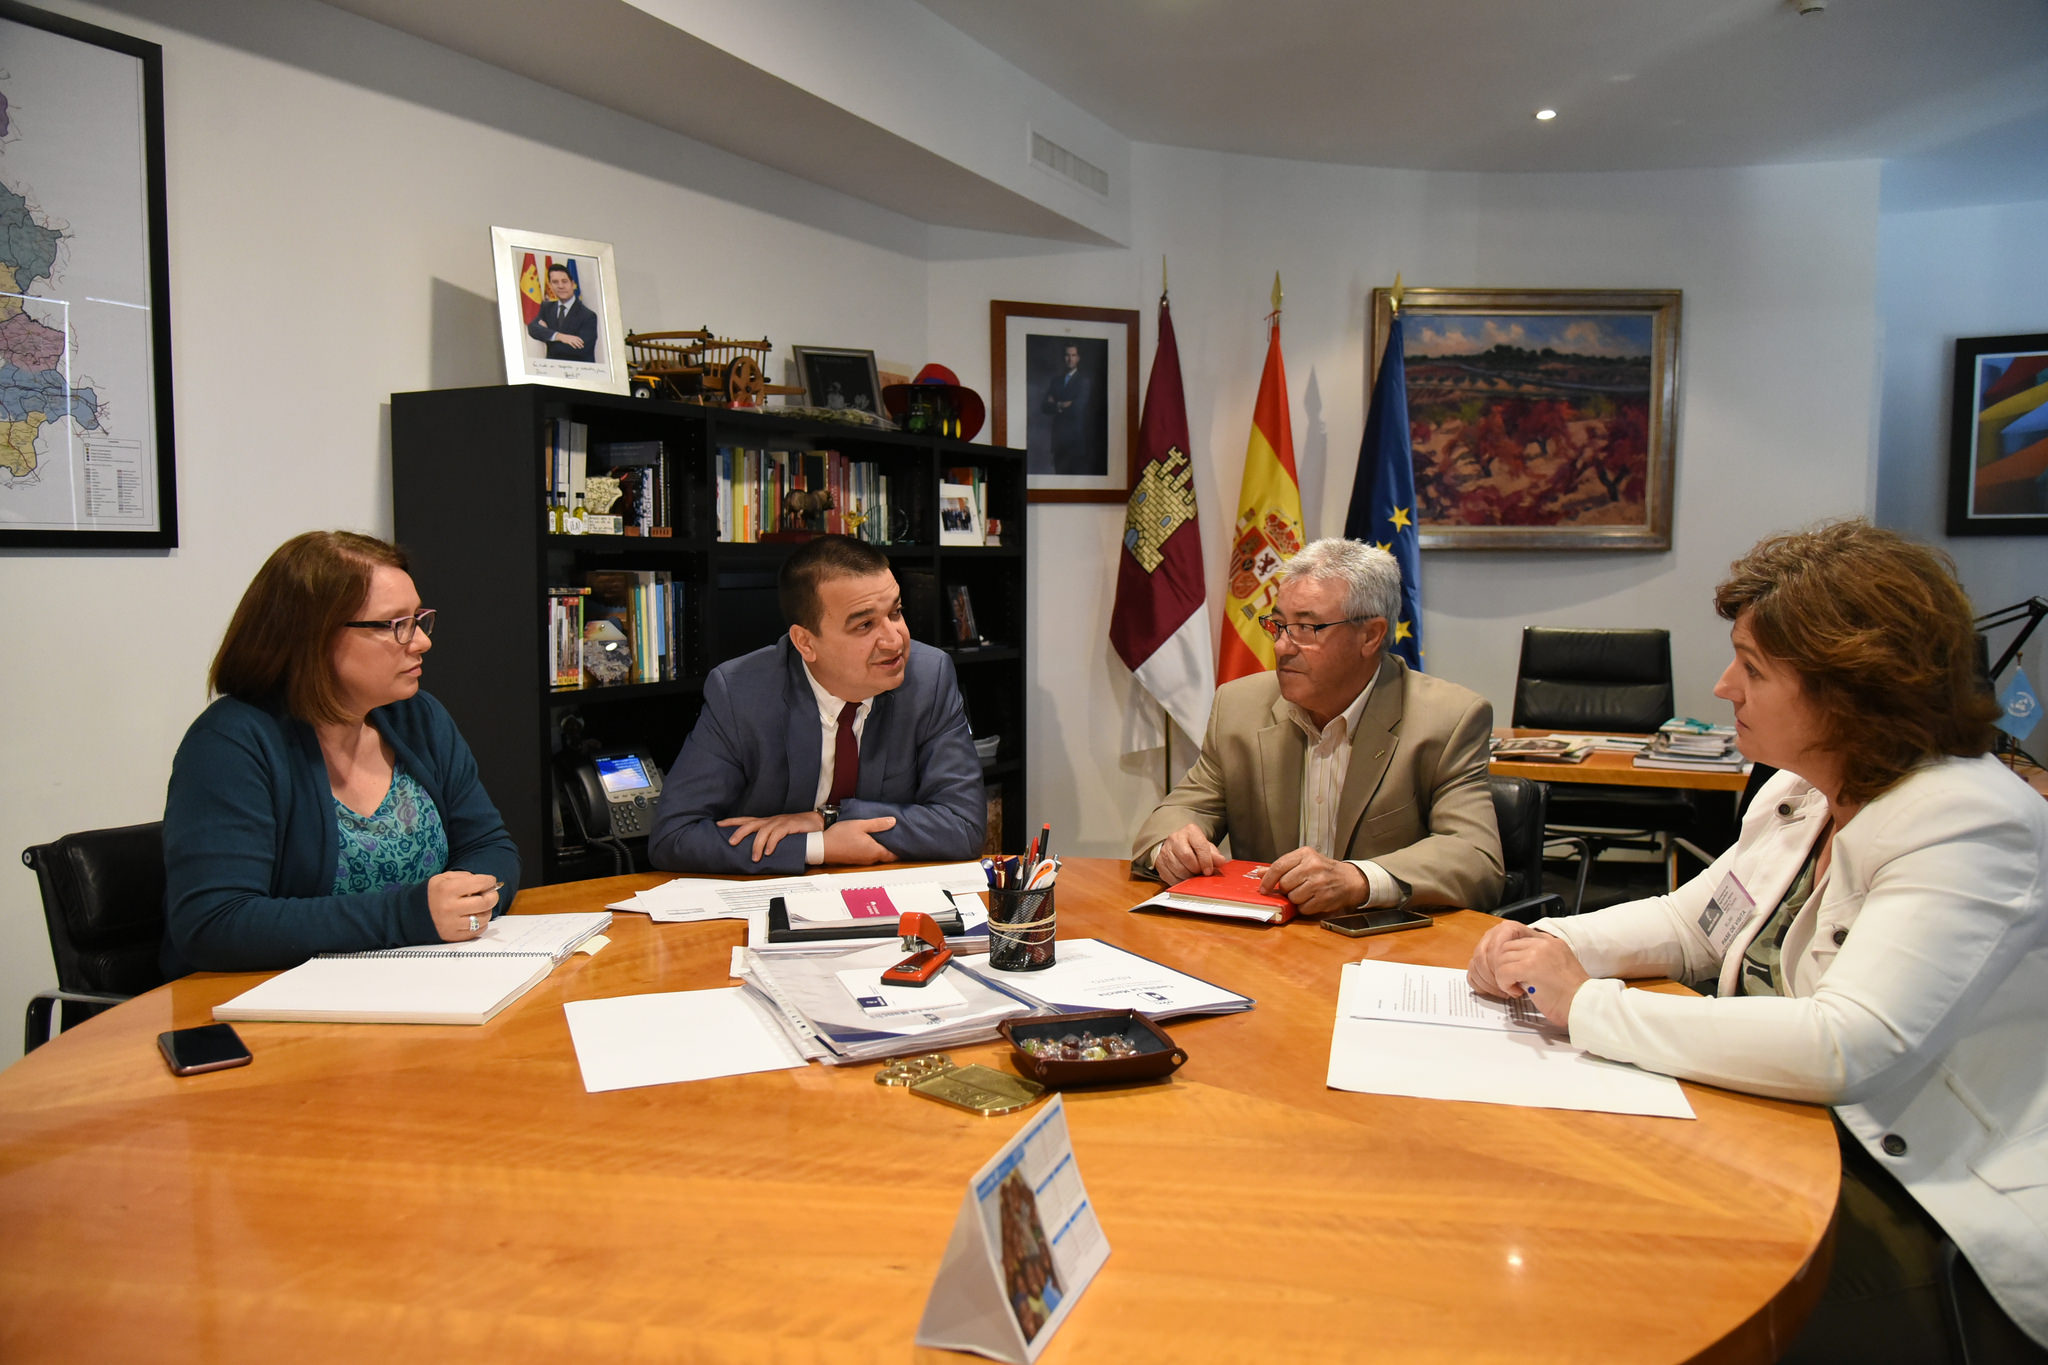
point(1020, 930)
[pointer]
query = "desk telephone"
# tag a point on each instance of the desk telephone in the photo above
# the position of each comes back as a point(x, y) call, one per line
point(613, 794)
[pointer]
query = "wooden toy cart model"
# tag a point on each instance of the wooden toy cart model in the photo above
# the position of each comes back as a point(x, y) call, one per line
point(697, 367)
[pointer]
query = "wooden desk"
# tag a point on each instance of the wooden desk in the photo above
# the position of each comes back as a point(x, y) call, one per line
point(402, 1193)
point(1610, 768)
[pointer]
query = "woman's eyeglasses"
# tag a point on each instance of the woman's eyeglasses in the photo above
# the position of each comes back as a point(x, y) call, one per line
point(401, 627)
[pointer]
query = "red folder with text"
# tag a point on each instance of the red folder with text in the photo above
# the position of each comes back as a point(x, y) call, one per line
point(1232, 893)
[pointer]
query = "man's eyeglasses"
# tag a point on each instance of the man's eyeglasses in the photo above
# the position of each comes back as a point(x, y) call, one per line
point(401, 627)
point(1304, 632)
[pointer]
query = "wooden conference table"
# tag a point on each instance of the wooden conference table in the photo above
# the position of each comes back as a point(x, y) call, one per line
point(453, 1194)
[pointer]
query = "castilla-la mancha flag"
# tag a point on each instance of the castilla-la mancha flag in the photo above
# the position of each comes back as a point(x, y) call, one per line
point(1160, 624)
point(1268, 531)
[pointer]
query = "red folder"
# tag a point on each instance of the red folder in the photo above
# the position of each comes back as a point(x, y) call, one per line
point(1233, 892)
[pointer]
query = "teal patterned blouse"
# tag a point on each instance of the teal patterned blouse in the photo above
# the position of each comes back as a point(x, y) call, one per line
point(401, 843)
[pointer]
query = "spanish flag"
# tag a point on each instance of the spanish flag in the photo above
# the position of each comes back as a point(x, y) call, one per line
point(1268, 531)
point(530, 290)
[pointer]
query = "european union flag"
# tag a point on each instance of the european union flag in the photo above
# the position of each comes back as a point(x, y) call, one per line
point(2022, 707)
point(1383, 495)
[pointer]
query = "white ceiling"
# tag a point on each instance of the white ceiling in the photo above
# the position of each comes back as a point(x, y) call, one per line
point(1454, 84)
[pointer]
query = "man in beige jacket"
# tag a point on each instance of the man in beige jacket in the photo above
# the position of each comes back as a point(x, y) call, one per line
point(1361, 782)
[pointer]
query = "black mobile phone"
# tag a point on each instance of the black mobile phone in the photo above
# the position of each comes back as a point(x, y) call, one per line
point(1366, 922)
point(213, 1047)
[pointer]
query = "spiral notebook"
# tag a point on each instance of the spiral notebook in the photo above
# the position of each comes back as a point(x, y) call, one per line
point(449, 983)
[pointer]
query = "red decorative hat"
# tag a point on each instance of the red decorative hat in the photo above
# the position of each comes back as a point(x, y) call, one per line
point(896, 398)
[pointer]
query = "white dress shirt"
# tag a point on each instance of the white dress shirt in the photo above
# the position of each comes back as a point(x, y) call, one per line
point(1323, 770)
point(829, 708)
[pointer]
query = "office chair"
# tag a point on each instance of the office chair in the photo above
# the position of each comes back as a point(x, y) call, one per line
point(1578, 680)
point(1518, 807)
point(103, 896)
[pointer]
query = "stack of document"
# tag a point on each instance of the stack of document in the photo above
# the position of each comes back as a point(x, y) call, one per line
point(1544, 749)
point(835, 1007)
point(1690, 746)
point(876, 894)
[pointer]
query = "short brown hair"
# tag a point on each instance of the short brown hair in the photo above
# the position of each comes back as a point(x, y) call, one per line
point(1880, 634)
point(823, 558)
point(277, 645)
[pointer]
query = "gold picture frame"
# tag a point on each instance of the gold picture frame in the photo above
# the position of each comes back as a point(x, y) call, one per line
point(1540, 419)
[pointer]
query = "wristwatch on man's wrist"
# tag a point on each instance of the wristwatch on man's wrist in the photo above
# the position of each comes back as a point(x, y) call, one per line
point(830, 812)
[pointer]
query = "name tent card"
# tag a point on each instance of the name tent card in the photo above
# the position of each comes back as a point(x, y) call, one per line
point(1024, 1246)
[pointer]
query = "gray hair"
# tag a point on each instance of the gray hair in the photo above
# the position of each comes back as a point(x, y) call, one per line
point(1371, 576)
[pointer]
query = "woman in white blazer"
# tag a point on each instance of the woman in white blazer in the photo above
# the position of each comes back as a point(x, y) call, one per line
point(1879, 933)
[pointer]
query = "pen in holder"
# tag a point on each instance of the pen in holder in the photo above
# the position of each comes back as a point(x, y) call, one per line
point(1020, 929)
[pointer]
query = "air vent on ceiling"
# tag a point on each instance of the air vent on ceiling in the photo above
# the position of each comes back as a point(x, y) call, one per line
point(1063, 163)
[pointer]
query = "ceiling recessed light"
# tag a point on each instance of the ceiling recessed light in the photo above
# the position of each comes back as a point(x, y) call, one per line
point(1545, 115)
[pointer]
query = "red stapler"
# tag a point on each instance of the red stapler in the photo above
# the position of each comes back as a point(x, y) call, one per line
point(921, 932)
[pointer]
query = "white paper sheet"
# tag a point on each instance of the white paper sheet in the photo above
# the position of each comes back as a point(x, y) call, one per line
point(688, 899)
point(880, 1000)
point(1091, 975)
point(1436, 995)
point(633, 1040)
point(1531, 1067)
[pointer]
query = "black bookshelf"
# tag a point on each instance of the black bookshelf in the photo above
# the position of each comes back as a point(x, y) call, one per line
point(468, 488)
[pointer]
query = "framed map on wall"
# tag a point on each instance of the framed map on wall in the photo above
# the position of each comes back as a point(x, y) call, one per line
point(86, 456)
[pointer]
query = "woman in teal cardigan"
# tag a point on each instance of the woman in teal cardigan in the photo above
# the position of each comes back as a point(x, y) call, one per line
point(324, 803)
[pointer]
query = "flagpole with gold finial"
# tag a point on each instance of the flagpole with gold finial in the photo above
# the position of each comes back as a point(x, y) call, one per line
point(1394, 295)
point(1273, 318)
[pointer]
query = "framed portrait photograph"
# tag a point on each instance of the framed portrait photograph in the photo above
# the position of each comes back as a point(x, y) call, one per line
point(1066, 382)
point(838, 378)
point(558, 307)
point(1998, 437)
point(86, 451)
point(1539, 419)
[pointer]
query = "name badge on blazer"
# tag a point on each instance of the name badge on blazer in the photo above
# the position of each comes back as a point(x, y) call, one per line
point(1726, 913)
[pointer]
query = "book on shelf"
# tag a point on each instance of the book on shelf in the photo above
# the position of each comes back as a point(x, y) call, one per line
point(642, 605)
point(1232, 893)
point(568, 458)
point(641, 469)
point(565, 636)
point(751, 485)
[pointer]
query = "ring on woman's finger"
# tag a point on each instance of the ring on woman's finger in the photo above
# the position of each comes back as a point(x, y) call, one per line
point(472, 924)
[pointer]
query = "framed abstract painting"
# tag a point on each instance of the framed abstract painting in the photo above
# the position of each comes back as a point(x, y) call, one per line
point(1998, 437)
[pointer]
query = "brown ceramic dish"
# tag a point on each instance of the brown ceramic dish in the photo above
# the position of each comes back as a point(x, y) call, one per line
point(1157, 1055)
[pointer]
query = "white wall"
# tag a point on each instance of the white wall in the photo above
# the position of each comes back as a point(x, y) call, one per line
point(1944, 274)
point(332, 187)
point(1778, 392)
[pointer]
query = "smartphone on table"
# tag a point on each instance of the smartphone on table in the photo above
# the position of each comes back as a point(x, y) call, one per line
point(1360, 923)
point(213, 1047)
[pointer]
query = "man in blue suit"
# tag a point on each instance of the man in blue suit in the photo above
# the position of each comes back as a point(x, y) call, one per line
point(844, 742)
point(565, 324)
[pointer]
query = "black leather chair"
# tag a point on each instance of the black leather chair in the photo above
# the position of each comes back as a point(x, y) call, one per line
point(1578, 680)
point(1518, 807)
point(103, 896)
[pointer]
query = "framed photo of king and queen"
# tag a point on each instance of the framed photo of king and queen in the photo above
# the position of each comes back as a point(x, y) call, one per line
point(558, 308)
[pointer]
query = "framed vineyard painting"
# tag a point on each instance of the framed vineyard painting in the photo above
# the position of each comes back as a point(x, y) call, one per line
point(1539, 419)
